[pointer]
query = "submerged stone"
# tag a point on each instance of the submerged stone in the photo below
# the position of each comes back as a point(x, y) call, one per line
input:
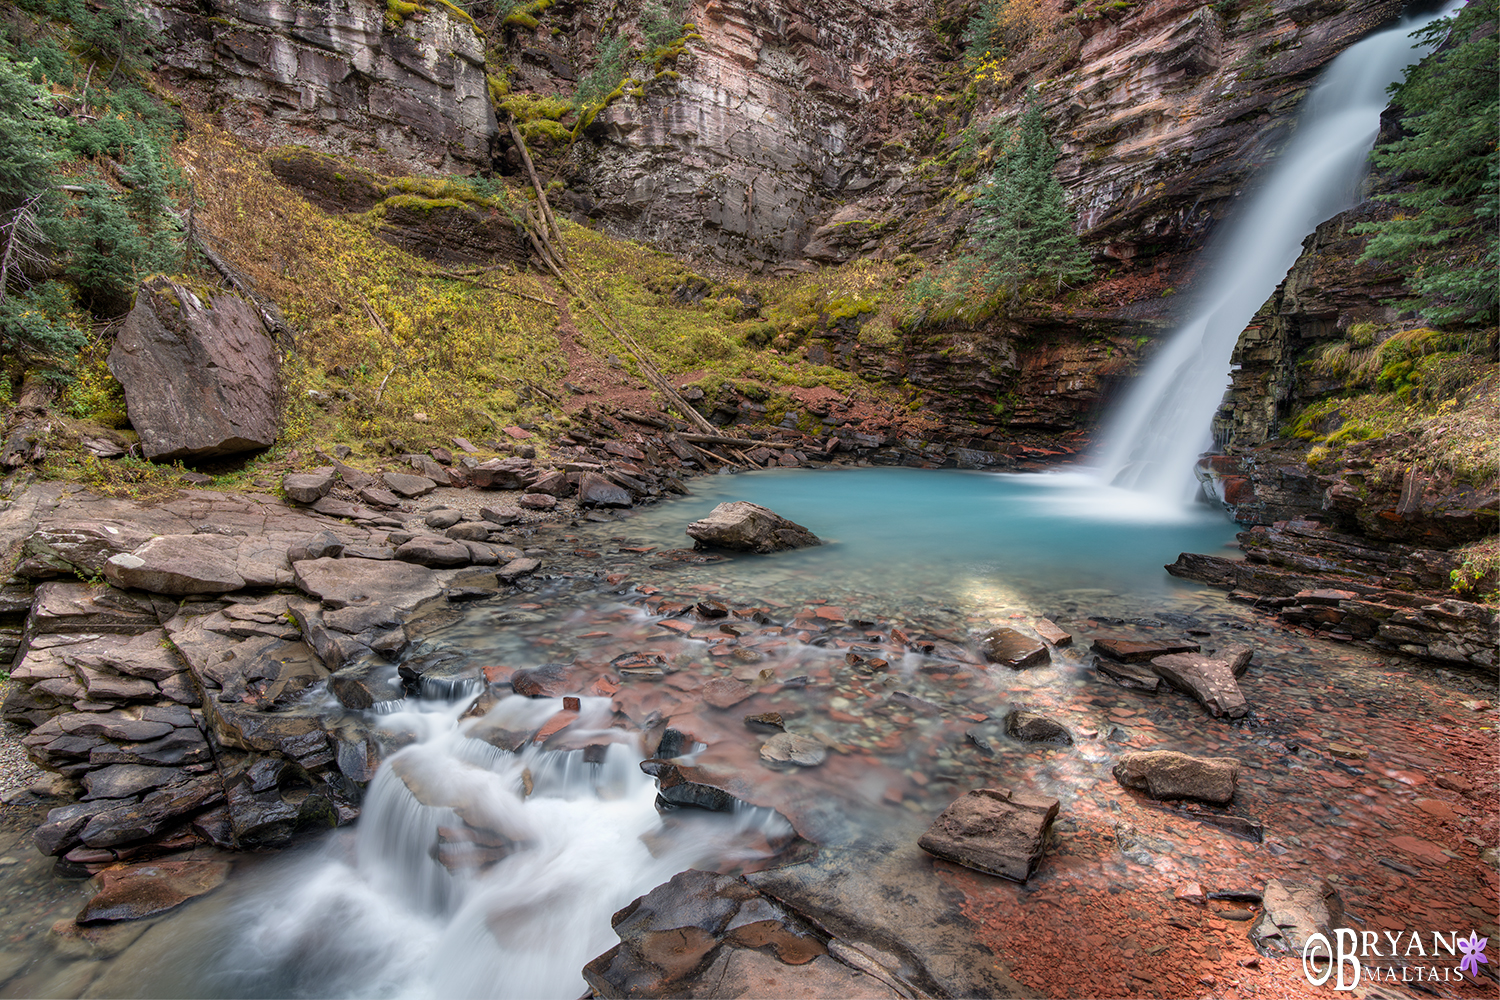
point(1007, 647)
point(1167, 774)
point(991, 830)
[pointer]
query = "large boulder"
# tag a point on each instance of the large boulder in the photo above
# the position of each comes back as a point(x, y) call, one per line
point(200, 380)
point(748, 527)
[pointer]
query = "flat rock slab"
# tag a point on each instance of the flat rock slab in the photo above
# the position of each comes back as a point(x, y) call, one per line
point(178, 565)
point(434, 551)
point(408, 486)
point(725, 692)
point(1137, 651)
point(999, 832)
point(143, 890)
point(1209, 680)
point(341, 583)
point(742, 526)
point(1167, 774)
point(1128, 675)
point(1009, 648)
point(1292, 912)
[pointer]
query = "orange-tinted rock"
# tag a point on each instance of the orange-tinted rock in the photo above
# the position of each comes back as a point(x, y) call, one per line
point(140, 891)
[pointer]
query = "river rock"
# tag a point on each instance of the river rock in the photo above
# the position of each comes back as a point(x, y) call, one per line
point(596, 491)
point(537, 501)
point(143, 890)
point(725, 692)
point(550, 680)
point(365, 685)
point(1292, 912)
point(1128, 675)
point(1139, 651)
point(443, 519)
point(178, 565)
point(997, 831)
point(1209, 680)
point(517, 568)
point(309, 487)
point(1013, 649)
point(712, 936)
point(137, 821)
point(742, 526)
point(688, 785)
point(469, 531)
point(1030, 727)
point(408, 486)
point(341, 583)
point(433, 551)
point(1167, 774)
point(200, 380)
point(793, 748)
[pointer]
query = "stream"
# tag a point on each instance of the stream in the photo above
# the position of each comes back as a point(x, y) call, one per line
point(568, 830)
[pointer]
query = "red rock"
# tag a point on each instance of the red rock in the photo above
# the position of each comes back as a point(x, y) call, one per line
point(142, 890)
point(520, 434)
point(557, 723)
point(1136, 651)
point(675, 625)
point(1050, 632)
point(830, 614)
point(726, 692)
point(1190, 892)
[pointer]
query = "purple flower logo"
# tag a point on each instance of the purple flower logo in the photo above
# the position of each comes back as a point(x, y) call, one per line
point(1473, 952)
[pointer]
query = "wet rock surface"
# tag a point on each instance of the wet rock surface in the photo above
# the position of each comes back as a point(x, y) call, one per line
point(1000, 832)
point(1167, 774)
point(742, 526)
point(829, 666)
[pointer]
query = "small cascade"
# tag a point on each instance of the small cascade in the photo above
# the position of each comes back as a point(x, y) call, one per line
point(480, 872)
point(1152, 441)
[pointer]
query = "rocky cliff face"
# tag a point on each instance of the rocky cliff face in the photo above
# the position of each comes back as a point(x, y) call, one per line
point(335, 76)
point(1165, 114)
point(792, 133)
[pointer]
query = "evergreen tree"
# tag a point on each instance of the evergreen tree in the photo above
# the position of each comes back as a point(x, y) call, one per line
point(1446, 238)
point(1025, 229)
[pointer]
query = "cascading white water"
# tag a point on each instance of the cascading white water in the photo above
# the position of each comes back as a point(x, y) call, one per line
point(1153, 440)
point(392, 921)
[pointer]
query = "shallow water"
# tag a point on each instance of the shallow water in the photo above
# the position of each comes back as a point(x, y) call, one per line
point(368, 911)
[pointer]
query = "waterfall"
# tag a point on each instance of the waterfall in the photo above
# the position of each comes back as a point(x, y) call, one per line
point(476, 872)
point(1152, 441)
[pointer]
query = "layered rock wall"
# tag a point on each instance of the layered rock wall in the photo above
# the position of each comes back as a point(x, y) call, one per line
point(335, 76)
